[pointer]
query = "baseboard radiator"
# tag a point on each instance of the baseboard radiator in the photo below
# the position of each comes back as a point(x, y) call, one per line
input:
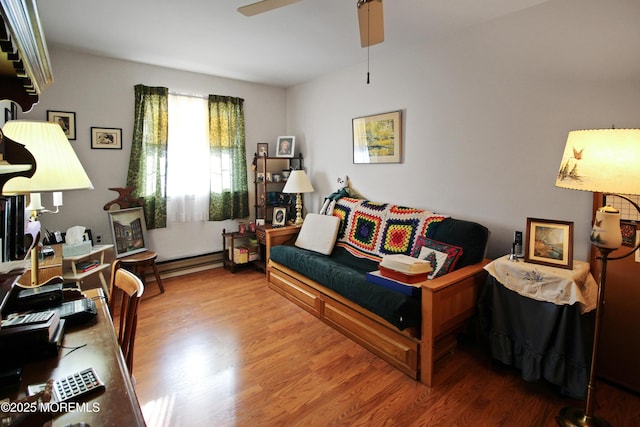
point(182, 266)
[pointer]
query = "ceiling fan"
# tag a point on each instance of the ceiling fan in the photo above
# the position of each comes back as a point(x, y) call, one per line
point(370, 17)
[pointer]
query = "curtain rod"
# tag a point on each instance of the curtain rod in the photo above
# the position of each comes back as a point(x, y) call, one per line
point(189, 95)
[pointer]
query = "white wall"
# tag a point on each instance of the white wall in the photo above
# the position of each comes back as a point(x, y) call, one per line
point(486, 115)
point(100, 92)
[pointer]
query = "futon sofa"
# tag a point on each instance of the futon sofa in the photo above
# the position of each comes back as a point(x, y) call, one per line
point(325, 272)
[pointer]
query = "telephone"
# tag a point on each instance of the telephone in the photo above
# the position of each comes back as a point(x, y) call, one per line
point(52, 238)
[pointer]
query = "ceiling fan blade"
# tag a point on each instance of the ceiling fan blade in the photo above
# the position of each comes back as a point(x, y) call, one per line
point(264, 6)
point(371, 22)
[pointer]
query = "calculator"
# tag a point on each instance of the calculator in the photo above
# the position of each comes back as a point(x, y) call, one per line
point(72, 386)
point(27, 319)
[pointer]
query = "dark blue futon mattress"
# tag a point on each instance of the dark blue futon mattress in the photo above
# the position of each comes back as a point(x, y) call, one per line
point(346, 275)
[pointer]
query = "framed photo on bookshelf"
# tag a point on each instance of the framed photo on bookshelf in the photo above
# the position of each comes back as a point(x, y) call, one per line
point(279, 216)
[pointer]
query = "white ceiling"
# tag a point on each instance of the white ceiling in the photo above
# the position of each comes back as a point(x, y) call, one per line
point(281, 47)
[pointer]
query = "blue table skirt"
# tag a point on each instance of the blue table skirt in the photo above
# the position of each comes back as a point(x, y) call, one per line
point(543, 340)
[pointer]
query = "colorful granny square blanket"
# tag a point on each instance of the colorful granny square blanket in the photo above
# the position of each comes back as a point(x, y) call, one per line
point(371, 230)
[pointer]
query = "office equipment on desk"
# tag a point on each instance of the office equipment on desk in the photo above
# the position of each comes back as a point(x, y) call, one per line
point(26, 319)
point(48, 295)
point(72, 387)
point(76, 312)
point(97, 348)
point(31, 341)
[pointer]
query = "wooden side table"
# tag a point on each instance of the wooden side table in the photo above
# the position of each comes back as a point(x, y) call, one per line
point(271, 236)
point(97, 253)
point(233, 240)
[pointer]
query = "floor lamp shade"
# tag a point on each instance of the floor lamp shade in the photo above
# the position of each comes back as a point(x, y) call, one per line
point(604, 161)
point(57, 165)
point(601, 160)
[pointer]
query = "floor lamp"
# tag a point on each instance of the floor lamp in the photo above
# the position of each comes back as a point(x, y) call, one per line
point(57, 169)
point(605, 161)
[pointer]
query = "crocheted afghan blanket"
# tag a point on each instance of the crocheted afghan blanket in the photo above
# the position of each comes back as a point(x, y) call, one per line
point(372, 230)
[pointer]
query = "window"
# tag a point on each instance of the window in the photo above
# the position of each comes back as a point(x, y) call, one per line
point(188, 158)
point(188, 165)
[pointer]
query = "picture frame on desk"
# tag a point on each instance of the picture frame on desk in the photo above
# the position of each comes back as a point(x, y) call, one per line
point(549, 242)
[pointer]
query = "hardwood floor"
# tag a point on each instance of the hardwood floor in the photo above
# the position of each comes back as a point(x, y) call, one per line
point(222, 349)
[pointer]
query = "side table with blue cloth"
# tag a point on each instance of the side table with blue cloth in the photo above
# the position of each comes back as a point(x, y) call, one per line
point(537, 320)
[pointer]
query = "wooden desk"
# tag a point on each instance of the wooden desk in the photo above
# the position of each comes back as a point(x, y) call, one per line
point(118, 403)
point(48, 267)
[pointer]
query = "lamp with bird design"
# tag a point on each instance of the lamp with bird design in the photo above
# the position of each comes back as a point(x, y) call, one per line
point(604, 161)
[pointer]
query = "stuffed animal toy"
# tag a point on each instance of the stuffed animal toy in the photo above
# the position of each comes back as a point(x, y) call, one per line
point(331, 199)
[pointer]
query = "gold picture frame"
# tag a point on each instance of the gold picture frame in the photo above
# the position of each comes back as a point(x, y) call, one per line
point(549, 243)
point(378, 138)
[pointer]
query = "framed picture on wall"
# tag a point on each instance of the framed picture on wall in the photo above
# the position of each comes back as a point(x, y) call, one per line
point(549, 243)
point(10, 111)
point(106, 138)
point(378, 138)
point(66, 120)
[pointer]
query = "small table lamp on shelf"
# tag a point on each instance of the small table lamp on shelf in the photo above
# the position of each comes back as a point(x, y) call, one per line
point(604, 161)
point(57, 169)
point(298, 183)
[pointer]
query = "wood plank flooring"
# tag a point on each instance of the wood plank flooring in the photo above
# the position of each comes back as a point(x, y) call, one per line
point(222, 349)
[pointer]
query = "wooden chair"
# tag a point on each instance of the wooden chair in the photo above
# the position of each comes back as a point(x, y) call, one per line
point(140, 262)
point(131, 287)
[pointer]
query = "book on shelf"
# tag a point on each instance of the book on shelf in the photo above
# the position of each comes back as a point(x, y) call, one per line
point(81, 267)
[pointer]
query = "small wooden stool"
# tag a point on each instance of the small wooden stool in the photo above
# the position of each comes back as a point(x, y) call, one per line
point(138, 263)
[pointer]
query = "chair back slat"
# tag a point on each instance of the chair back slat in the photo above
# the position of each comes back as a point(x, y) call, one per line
point(131, 288)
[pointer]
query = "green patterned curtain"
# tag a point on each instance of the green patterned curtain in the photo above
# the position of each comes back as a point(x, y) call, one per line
point(148, 161)
point(230, 194)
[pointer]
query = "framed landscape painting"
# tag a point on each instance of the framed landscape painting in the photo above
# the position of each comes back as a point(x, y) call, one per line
point(549, 243)
point(378, 138)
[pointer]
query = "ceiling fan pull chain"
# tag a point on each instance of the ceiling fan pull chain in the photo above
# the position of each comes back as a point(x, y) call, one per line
point(368, 38)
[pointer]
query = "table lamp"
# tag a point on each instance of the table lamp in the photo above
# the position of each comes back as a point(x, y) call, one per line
point(298, 183)
point(604, 161)
point(57, 168)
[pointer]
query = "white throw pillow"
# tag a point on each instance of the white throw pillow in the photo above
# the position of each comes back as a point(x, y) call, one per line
point(318, 233)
